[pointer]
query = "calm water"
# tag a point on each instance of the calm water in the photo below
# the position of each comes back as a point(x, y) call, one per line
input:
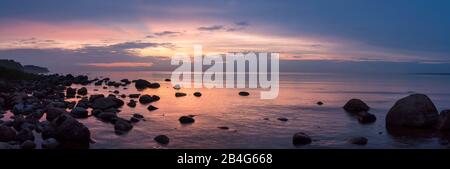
point(328, 125)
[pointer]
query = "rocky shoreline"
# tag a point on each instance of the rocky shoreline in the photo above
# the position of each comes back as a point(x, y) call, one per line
point(41, 106)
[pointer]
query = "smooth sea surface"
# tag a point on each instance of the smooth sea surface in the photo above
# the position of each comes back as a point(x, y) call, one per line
point(253, 122)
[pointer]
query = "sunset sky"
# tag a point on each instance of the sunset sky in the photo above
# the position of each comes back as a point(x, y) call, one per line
point(135, 34)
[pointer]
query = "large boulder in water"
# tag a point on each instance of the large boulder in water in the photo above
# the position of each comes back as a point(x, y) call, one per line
point(356, 106)
point(301, 139)
point(53, 112)
point(104, 103)
point(69, 132)
point(416, 111)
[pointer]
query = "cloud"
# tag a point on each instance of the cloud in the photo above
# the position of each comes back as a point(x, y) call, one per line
point(167, 33)
point(242, 23)
point(211, 28)
point(118, 64)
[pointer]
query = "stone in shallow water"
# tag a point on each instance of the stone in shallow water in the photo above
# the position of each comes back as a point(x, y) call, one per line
point(79, 112)
point(243, 93)
point(186, 120)
point(356, 106)
point(162, 139)
point(151, 108)
point(301, 138)
point(180, 94)
point(223, 127)
point(197, 94)
point(122, 126)
point(413, 111)
point(283, 119)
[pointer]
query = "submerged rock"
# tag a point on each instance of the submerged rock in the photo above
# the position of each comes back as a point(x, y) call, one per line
point(145, 99)
point(134, 96)
point(69, 132)
point(53, 112)
point(137, 115)
point(223, 127)
point(141, 84)
point(132, 103)
point(167, 80)
point(243, 93)
point(105, 103)
point(358, 141)
point(319, 103)
point(283, 119)
point(416, 111)
point(301, 138)
point(356, 106)
point(186, 120)
point(162, 139)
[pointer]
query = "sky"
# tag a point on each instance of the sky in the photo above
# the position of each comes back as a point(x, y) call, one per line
point(144, 34)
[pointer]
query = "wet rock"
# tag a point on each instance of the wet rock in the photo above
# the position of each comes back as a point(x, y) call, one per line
point(356, 106)
point(122, 126)
point(104, 87)
point(24, 135)
point(28, 145)
point(139, 116)
point(104, 103)
point(132, 103)
point(154, 85)
point(180, 94)
point(116, 92)
point(319, 103)
point(82, 91)
point(167, 80)
point(197, 94)
point(223, 127)
point(108, 117)
point(365, 117)
point(134, 96)
point(244, 93)
point(125, 81)
point(358, 141)
point(141, 84)
point(444, 120)
point(301, 139)
point(414, 111)
point(283, 119)
point(151, 108)
point(6, 133)
point(71, 92)
point(94, 97)
point(123, 96)
point(177, 87)
point(52, 113)
point(134, 119)
point(70, 133)
point(145, 99)
point(162, 139)
point(186, 120)
point(79, 112)
point(50, 143)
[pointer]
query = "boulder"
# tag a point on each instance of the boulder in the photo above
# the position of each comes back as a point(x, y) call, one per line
point(132, 103)
point(244, 93)
point(151, 108)
point(282, 119)
point(356, 106)
point(52, 113)
point(180, 94)
point(71, 92)
point(139, 116)
point(177, 87)
point(162, 139)
point(319, 103)
point(301, 138)
point(141, 84)
point(104, 103)
point(122, 126)
point(70, 133)
point(82, 91)
point(109, 117)
point(413, 111)
point(197, 94)
point(154, 85)
point(6, 133)
point(79, 112)
point(444, 120)
point(186, 120)
point(145, 99)
point(134, 96)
